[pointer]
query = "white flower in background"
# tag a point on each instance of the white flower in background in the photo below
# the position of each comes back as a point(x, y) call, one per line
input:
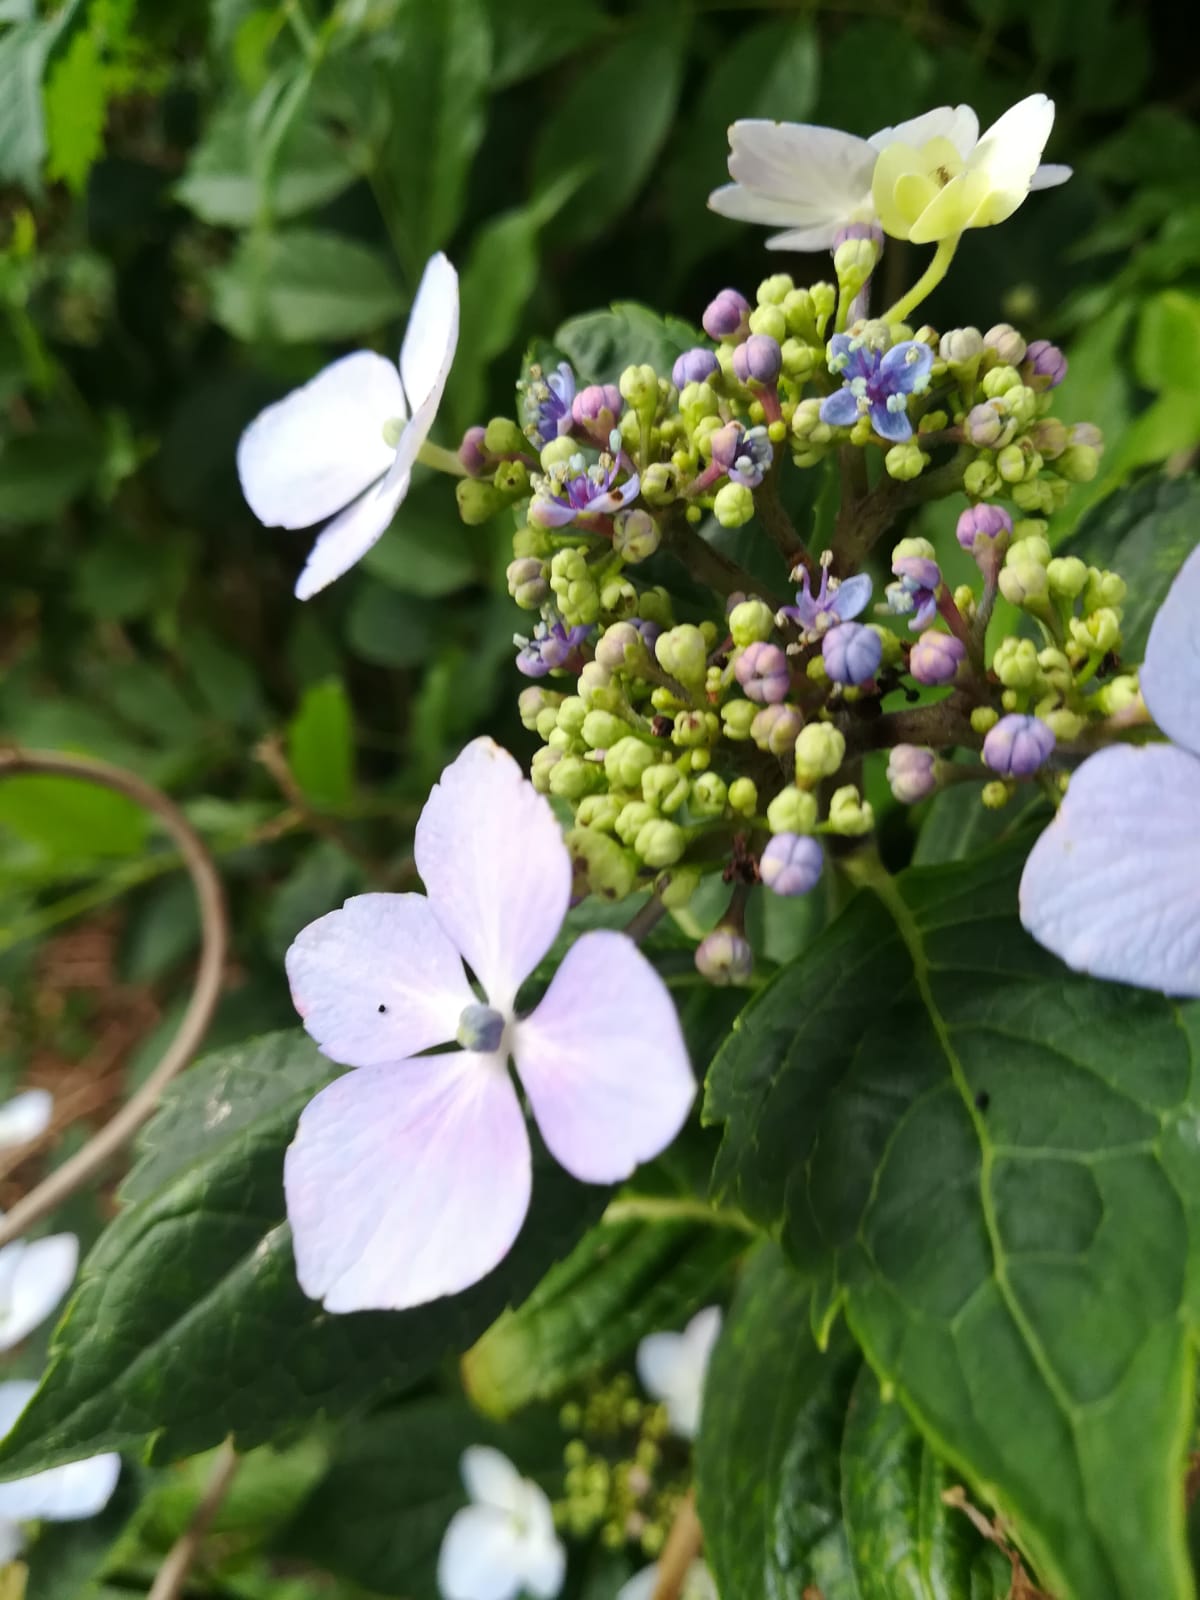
point(24, 1117)
point(697, 1585)
point(672, 1367)
point(503, 1544)
point(344, 445)
point(813, 182)
point(61, 1494)
point(34, 1276)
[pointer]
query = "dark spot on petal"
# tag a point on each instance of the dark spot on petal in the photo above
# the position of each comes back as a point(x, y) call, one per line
point(382, 1008)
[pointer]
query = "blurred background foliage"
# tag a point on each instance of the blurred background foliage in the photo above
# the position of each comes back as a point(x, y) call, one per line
point(204, 200)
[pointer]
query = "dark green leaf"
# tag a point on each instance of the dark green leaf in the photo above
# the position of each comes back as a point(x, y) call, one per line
point(188, 1324)
point(23, 52)
point(393, 630)
point(1167, 355)
point(300, 284)
point(958, 824)
point(988, 1162)
point(323, 878)
point(427, 552)
point(222, 182)
point(530, 35)
point(601, 344)
point(320, 745)
point(622, 1280)
point(41, 473)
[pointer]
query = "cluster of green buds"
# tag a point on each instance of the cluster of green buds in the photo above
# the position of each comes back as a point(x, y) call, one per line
point(728, 737)
point(624, 1476)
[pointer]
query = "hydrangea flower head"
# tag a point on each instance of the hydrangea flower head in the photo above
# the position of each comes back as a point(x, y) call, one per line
point(573, 490)
point(25, 1117)
point(61, 1494)
point(503, 1544)
point(409, 1178)
point(814, 182)
point(673, 1366)
point(344, 445)
point(930, 186)
point(1113, 884)
point(876, 384)
point(744, 454)
point(834, 602)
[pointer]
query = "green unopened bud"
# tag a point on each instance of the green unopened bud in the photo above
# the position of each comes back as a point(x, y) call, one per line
point(1079, 463)
point(618, 598)
point(1103, 589)
point(636, 536)
point(1097, 633)
point(799, 360)
point(527, 582)
point(625, 760)
point(776, 728)
point(531, 541)
point(596, 687)
point(546, 724)
point(1010, 463)
point(502, 437)
point(751, 622)
point(1050, 438)
point(1000, 380)
point(606, 869)
point(1056, 669)
point(824, 299)
point(574, 587)
point(632, 819)
point(1021, 404)
point(512, 480)
point(905, 461)
point(1038, 494)
point(676, 888)
point(820, 751)
point(660, 483)
point(655, 606)
point(933, 422)
point(698, 401)
point(1067, 576)
point(961, 348)
point(737, 717)
point(666, 787)
point(693, 730)
point(996, 795)
point(743, 796)
point(708, 795)
point(733, 506)
point(660, 843)
point(543, 763)
point(1024, 583)
point(558, 452)
point(601, 730)
point(849, 814)
point(769, 320)
point(913, 550)
point(792, 811)
point(774, 291)
point(639, 387)
point(683, 652)
point(1063, 724)
point(854, 261)
point(1118, 695)
point(599, 811)
point(1030, 546)
point(984, 719)
point(478, 500)
point(981, 480)
point(571, 712)
point(533, 701)
point(801, 316)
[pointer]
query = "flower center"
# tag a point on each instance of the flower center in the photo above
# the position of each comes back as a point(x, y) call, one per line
point(480, 1028)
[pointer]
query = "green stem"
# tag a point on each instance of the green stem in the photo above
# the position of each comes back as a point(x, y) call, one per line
point(927, 282)
point(662, 1208)
point(441, 460)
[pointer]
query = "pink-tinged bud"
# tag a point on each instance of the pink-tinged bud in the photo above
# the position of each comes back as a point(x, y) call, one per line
point(1017, 746)
point(912, 773)
point(1006, 342)
point(724, 957)
point(986, 522)
point(762, 671)
point(936, 658)
point(983, 426)
point(471, 452)
point(697, 365)
point(776, 728)
point(1044, 366)
point(597, 408)
point(727, 316)
point(791, 864)
point(759, 360)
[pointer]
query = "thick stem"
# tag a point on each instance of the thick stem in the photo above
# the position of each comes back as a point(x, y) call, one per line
point(681, 1549)
point(857, 536)
point(948, 722)
point(711, 566)
point(442, 460)
point(927, 282)
point(779, 526)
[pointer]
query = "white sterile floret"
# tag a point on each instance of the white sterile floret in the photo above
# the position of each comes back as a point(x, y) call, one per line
point(672, 1367)
point(503, 1544)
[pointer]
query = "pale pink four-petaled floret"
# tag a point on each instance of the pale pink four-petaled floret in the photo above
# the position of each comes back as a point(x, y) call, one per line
point(410, 1177)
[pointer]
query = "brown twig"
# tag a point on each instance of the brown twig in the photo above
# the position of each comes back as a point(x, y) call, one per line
point(173, 1573)
point(682, 1548)
point(214, 924)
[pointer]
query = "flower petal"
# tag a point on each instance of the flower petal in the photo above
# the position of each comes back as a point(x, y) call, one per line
point(1050, 175)
point(672, 1368)
point(819, 236)
point(25, 1116)
point(743, 204)
point(378, 980)
point(1113, 885)
point(314, 451)
point(603, 1061)
point(906, 366)
point(959, 124)
point(490, 1479)
point(61, 1494)
point(851, 596)
point(351, 534)
point(822, 173)
point(840, 410)
point(407, 1182)
point(1011, 150)
point(480, 1558)
point(1170, 677)
point(431, 336)
point(34, 1276)
point(892, 425)
point(492, 857)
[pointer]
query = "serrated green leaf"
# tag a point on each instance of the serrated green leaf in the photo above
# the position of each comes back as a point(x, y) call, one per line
point(222, 183)
point(76, 106)
point(1145, 533)
point(1167, 352)
point(188, 1323)
point(989, 1162)
point(622, 1280)
point(320, 744)
point(601, 344)
point(301, 284)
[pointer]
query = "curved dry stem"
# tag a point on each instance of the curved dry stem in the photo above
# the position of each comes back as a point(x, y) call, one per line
point(682, 1548)
point(214, 923)
point(173, 1574)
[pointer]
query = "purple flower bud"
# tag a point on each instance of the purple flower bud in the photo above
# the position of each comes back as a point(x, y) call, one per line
point(912, 773)
point(982, 522)
point(1044, 366)
point(1017, 746)
point(852, 653)
point(597, 407)
point(859, 230)
point(724, 957)
point(791, 864)
point(727, 316)
point(936, 658)
point(696, 365)
point(759, 360)
point(725, 444)
point(917, 573)
point(471, 452)
point(776, 728)
point(762, 671)
point(983, 426)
